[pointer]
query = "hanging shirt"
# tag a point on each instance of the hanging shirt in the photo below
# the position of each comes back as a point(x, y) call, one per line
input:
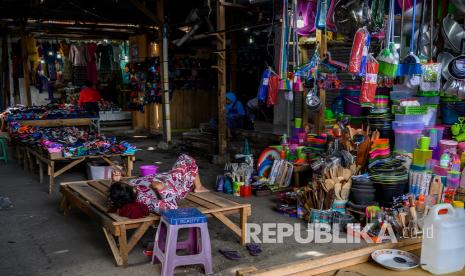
point(105, 56)
point(78, 55)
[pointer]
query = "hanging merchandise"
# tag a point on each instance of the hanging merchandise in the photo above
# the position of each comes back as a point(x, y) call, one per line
point(312, 100)
point(284, 84)
point(431, 77)
point(388, 58)
point(263, 88)
point(358, 48)
point(330, 16)
point(321, 12)
point(377, 15)
point(297, 85)
point(411, 63)
point(368, 90)
point(273, 85)
point(351, 15)
point(306, 16)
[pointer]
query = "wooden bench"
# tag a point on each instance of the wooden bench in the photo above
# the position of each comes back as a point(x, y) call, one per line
point(91, 197)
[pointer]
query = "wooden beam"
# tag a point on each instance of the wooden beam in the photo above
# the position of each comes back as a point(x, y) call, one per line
point(331, 262)
point(320, 117)
point(141, 7)
point(221, 44)
point(166, 108)
point(25, 58)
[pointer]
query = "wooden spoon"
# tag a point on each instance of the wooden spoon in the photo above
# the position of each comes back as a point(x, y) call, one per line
point(346, 173)
point(337, 190)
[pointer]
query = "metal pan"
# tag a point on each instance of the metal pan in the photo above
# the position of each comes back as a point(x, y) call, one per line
point(444, 58)
point(452, 32)
point(457, 65)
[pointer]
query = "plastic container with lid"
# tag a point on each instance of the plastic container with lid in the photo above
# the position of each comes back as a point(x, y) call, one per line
point(443, 245)
point(406, 140)
point(407, 125)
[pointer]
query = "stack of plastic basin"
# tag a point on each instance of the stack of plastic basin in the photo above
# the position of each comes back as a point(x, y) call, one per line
point(406, 134)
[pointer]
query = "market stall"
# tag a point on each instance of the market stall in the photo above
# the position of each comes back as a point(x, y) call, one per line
point(49, 146)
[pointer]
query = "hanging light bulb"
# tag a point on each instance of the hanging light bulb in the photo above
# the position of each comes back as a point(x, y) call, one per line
point(58, 56)
point(300, 21)
point(250, 40)
point(50, 53)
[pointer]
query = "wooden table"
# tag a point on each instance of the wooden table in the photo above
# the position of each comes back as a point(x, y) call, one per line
point(91, 122)
point(31, 156)
point(91, 197)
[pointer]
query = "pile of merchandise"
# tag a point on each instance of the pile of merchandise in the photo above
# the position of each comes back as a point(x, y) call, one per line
point(68, 141)
point(49, 111)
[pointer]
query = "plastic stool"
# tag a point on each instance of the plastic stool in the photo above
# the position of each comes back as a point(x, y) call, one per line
point(3, 155)
point(166, 241)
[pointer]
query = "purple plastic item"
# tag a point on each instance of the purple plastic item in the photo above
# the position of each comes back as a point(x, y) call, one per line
point(166, 243)
point(306, 10)
point(148, 170)
point(352, 105)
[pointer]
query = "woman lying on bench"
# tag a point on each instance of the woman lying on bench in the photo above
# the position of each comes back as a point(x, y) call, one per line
point(156, 192)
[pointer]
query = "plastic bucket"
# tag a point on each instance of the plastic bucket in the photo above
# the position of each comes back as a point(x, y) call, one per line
point(406, 140)
point(352, 105)
point(451, 111)
point(339, 206)
point(320, 216)
point(147, 170)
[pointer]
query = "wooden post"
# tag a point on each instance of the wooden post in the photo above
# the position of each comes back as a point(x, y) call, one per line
point(164, 72)
point(320, 120)
point(25, 58)
point(304, 59)
point(233, 63)
point(10, 72)
point(221, 48)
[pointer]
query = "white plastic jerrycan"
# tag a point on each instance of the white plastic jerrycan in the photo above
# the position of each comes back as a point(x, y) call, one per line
point(443, 244)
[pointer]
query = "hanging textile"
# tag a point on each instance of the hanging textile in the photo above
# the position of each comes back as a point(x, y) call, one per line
point(92, 62)
point(284, 82)
point(78, 55)
point(67, 65)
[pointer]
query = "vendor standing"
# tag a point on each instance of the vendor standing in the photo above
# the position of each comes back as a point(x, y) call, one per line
point(89, 98)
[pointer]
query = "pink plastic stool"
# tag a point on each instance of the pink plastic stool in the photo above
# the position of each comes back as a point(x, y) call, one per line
point(166, 241)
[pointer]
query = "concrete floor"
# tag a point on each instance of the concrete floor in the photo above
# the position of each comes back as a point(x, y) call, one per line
point(36, 239)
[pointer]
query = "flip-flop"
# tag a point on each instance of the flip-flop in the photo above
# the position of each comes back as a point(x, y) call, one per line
point(254, 249)
point(230, 254)
point(147, 253)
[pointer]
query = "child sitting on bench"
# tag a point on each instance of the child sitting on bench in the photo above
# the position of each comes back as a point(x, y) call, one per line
point(156, 192)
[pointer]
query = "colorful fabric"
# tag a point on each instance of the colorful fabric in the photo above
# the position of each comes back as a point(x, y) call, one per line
point(92, 62)
point(178, 182)
point(134, 210)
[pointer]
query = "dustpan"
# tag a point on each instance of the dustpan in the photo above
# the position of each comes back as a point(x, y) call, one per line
point(388, 59)
point(411, 63)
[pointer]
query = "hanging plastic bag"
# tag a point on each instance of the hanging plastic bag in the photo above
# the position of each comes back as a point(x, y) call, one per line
point(263, 88)
point(321, 12)
point(329, 17)
point(355, 61)
point(273, 85)
point(431, 77)
point(363, 63)
point(369, 84)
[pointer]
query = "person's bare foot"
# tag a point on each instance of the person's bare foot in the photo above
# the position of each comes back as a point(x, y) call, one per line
point(116, 176)
point(201, 189)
